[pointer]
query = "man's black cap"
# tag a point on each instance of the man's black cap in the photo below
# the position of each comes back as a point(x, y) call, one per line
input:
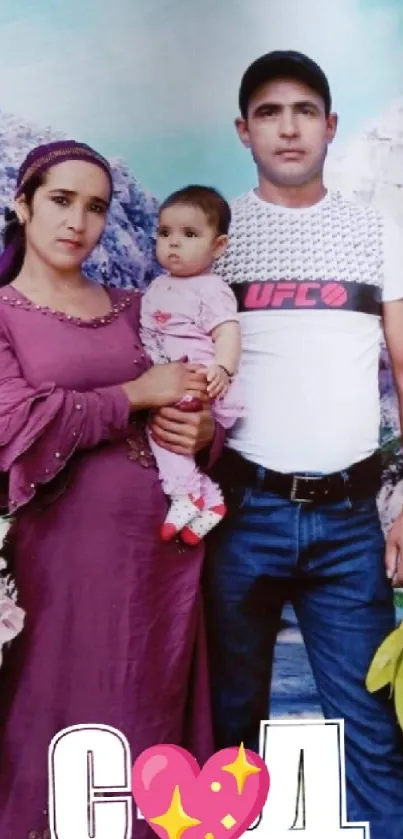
point(286, 64)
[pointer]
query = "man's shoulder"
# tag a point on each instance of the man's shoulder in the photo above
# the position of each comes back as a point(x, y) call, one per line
point(358, 208)
point(376, 230)
point(335, 198)
point(387, 224)
point(353, 205)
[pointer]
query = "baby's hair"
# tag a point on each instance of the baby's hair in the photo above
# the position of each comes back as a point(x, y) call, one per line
point(207, 199)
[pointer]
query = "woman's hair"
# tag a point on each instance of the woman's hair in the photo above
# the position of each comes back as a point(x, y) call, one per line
point(14, 234)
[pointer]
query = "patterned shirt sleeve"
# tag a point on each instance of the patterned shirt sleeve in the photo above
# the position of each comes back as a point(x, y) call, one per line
point(218, 305)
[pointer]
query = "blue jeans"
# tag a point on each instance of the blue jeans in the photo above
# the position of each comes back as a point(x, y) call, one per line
point(329, 561)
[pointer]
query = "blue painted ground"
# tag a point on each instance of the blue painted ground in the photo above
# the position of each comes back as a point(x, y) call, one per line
point(293, 691)
point(293, 688)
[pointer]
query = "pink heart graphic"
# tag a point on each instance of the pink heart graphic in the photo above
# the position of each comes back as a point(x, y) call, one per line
point(220, 800)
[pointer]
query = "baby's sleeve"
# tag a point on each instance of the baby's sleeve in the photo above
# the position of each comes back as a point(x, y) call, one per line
point(218, 305)
point(150, 335)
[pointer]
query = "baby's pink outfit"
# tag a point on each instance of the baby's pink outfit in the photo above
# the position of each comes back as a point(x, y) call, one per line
point(177, 319)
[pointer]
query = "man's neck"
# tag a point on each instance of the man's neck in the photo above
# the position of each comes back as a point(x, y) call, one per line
point(306, 195)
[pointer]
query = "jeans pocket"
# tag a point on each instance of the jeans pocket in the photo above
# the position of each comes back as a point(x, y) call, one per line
point(236, 498)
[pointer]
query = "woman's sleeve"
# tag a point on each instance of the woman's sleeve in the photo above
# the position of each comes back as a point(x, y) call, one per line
point(41, 428)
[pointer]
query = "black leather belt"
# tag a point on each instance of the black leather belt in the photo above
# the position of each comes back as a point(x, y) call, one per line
point(358, 481)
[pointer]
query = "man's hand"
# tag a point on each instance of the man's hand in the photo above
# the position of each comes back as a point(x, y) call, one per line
point(183, 433)
point(394, 552)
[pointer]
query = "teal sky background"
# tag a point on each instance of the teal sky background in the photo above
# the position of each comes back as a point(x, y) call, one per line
point(155, 81)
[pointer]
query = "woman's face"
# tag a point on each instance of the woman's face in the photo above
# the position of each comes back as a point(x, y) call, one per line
point(67, 214)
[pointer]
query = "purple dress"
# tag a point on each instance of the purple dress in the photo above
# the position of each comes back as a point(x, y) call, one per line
point(113, 630)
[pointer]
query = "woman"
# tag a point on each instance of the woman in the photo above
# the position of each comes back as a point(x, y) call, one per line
point(112, 615)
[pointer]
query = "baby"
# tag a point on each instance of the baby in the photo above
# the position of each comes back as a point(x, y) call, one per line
point(190, 311)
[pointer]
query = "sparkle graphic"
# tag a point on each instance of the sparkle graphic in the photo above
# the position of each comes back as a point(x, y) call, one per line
point(215, 786)
point(241, 769)
point(175, 821)
point(228, 821)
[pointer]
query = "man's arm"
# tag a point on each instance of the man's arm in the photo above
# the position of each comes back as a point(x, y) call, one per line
point(393, 330)
point(208, 456)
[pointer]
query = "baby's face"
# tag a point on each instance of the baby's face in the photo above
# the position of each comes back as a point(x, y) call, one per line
point(187, 244)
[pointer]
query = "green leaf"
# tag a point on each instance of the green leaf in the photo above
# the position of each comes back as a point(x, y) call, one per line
point(398, 689)
point(395, 668)
point(382, 668)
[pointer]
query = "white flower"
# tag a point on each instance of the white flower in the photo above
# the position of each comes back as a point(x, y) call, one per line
point(5, 524)
point(11, 619)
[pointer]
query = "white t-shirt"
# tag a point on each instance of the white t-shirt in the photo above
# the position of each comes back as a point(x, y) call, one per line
point(310, 284)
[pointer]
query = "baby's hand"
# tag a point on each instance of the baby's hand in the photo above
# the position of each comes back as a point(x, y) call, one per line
point(217, 381)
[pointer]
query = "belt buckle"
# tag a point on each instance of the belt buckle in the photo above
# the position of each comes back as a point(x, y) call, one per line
point(294, 488)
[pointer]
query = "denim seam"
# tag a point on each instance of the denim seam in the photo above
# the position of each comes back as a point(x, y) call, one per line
point(297, 534)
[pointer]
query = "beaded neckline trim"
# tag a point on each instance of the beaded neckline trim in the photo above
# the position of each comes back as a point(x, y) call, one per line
point(21, 302)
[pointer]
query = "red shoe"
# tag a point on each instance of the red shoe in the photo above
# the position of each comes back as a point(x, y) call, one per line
point(183, 509)
point(197, 529)
point(189, 403)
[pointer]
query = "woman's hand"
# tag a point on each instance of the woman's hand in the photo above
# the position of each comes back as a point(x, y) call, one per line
point(165, 384)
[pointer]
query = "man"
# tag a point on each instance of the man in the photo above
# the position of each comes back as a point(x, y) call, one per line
point(316, 277)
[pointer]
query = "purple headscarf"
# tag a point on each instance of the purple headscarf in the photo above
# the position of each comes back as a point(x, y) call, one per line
point(38, 161)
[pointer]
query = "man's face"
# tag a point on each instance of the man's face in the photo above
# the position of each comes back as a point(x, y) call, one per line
point(287, 131)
